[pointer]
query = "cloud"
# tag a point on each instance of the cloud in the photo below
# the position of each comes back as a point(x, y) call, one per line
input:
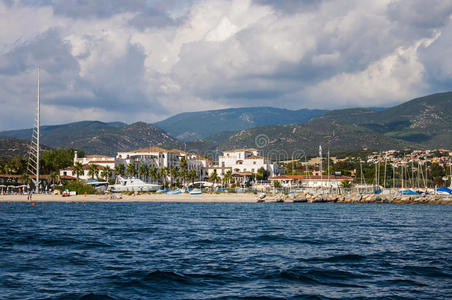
point(146, 60)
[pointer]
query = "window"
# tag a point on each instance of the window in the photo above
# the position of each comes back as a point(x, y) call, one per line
point(254, 162)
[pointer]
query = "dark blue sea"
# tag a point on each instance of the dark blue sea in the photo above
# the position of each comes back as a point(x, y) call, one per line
point(225, 251)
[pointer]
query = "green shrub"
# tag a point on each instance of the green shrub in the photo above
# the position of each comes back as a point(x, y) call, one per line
point(78, 186)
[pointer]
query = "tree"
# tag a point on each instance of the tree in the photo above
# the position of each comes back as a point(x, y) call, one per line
point(131, 171)
point(214, 178)
point(164, 174)
point(153, 173)
point(346, 184)
point(183, 163)
point(54, 178)
point(262, 174)
point(192, 176)
point(93, 171)
point(55, 160)
point(78, 169)
point(184, 175)
point(143, 171)
point(277, 184)
point(120, 170)
point(25, 178)
point(174, 173)
point(106, 173)
point(228, 177)
point(16, 165)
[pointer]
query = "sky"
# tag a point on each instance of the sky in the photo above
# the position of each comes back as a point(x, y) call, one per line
point(146, 60)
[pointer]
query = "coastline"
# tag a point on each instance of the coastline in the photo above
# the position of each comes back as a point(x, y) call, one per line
point(234, 198)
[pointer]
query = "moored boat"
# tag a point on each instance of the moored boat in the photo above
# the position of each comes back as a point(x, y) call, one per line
point(196, 192)
point(132, 185)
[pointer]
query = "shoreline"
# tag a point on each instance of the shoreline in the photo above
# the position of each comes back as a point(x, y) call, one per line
point(234, 198)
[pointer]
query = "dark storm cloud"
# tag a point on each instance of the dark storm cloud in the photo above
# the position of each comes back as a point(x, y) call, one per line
point(147, 59)
point(47, 49)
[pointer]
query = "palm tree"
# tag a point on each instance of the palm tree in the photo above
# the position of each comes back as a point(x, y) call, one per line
point(54, 178)
point(183, 163)
point(131, 171)
point(183, 175)
point(106, 173)
point(78, 169)
point(174, 173)
point(164, 174)
point(153, 173)
point(214, 178)
point(25, 178)
point(346, 184)
point(192, 176)
point(93, 171)
point(120, 170)
point(143, 171)
point(228, 177)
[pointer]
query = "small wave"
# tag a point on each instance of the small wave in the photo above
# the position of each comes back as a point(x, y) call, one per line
point(273, 238)
point(426, 271)
point(92, 296)
point(165, 276)
point(338, 258)
point(329, 277)
point(407, 282)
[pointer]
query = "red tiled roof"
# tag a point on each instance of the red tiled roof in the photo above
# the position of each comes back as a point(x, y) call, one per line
point(304, 177)
point(241, 150)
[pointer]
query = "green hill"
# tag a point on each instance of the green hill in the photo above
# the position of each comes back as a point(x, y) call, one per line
point(283, 140)
point(426, 120)
point(10, 147)
point(96, 137)
point(195, 125)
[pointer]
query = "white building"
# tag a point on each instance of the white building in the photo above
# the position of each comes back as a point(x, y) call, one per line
point(97, 159)
point(159, 158)
point(100, 161)
point(85, 176)
point(247, 161)
point(310, 181)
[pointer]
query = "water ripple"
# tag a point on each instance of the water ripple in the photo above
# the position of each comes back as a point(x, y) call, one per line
point(224, 251)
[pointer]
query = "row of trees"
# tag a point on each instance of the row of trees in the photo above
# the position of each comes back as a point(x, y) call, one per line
point(50, 161)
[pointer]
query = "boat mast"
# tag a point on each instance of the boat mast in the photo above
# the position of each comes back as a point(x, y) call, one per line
point(38, 125)
point(34, 150)
point(321, 163)
point(328, 166)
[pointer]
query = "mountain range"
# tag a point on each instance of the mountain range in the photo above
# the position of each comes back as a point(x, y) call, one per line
point(192, 126)
point(97, 137)
point(424, 122)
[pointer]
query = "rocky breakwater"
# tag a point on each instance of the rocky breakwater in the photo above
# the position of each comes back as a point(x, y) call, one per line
point(371, 198)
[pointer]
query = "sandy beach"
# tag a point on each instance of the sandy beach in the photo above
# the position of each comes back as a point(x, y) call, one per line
point(134, 198)
point(234, 198)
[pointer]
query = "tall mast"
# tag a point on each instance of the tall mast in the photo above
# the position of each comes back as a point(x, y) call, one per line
point(321, 162)
point(328, 166)
point(38, 125)
point(34, 150)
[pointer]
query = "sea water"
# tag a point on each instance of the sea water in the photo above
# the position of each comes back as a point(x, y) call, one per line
point(224, 251)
